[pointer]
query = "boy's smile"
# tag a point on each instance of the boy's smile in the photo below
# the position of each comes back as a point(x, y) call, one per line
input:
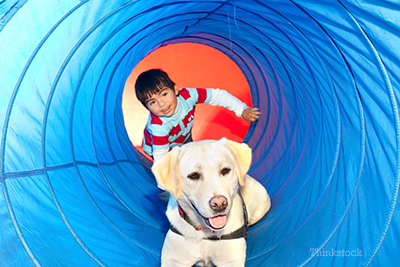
point(163, 103)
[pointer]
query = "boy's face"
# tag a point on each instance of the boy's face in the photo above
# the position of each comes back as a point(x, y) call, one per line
point(163, 103)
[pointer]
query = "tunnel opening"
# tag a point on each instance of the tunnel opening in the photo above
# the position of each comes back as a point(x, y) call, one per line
point(191, 65)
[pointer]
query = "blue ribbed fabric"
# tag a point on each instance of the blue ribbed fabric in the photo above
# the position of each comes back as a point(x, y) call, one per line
point(325, 75)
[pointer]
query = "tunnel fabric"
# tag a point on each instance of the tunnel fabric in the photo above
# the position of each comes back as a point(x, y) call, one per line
point(324, 74)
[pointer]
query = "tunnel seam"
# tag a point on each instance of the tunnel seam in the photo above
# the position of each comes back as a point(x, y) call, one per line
point(10, 13)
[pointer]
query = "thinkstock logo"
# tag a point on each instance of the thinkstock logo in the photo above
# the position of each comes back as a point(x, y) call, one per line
point(315, 252)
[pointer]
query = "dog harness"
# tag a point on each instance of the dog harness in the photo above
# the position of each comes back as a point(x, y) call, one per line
point(239, 233)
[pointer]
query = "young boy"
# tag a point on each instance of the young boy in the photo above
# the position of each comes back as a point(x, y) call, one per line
point(172, 110)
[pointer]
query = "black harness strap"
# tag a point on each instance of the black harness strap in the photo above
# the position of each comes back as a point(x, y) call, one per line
point(173, 229)
point(239, 233)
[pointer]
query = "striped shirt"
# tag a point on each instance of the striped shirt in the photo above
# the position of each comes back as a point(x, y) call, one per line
point(163, 133)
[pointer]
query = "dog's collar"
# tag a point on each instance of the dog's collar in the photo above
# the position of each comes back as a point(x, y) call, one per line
point(184, 216)
point(239, 233)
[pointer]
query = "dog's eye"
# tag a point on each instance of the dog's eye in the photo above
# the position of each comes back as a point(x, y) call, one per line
point(225, 171)
point(194, 176)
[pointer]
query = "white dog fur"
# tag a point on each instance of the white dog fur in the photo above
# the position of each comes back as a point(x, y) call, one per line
point(206, 179)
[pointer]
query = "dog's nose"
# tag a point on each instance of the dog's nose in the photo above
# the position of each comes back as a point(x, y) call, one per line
point(218, 203)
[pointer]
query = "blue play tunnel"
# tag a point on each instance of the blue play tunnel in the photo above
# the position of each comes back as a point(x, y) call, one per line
point(324, 73)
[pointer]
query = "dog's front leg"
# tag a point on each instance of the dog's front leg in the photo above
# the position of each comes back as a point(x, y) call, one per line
point(177, 251)
point(228, 253)
point(174, 263)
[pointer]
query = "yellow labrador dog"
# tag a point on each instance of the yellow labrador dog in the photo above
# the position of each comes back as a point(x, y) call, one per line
point(213, 203)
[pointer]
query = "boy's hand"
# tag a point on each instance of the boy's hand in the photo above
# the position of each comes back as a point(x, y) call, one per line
point(251, 114)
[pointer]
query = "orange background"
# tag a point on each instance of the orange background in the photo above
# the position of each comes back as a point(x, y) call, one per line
point(191, 65)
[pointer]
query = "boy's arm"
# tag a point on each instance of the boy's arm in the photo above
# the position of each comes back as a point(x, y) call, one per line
point(224, 99)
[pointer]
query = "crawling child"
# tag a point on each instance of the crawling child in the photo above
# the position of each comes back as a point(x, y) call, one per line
point(172, 110)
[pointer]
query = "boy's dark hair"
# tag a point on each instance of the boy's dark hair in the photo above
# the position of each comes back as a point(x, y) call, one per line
point(150, 82)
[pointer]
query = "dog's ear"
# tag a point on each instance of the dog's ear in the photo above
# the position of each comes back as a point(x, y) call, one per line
point(242, 156)
point(166, 171)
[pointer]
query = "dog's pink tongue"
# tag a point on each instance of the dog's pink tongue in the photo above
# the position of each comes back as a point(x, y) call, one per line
point(218, 222)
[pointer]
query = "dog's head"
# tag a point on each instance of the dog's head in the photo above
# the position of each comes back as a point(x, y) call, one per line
point(206, 174)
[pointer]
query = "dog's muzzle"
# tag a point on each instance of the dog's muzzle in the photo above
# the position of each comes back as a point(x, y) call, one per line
point(218, 221)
